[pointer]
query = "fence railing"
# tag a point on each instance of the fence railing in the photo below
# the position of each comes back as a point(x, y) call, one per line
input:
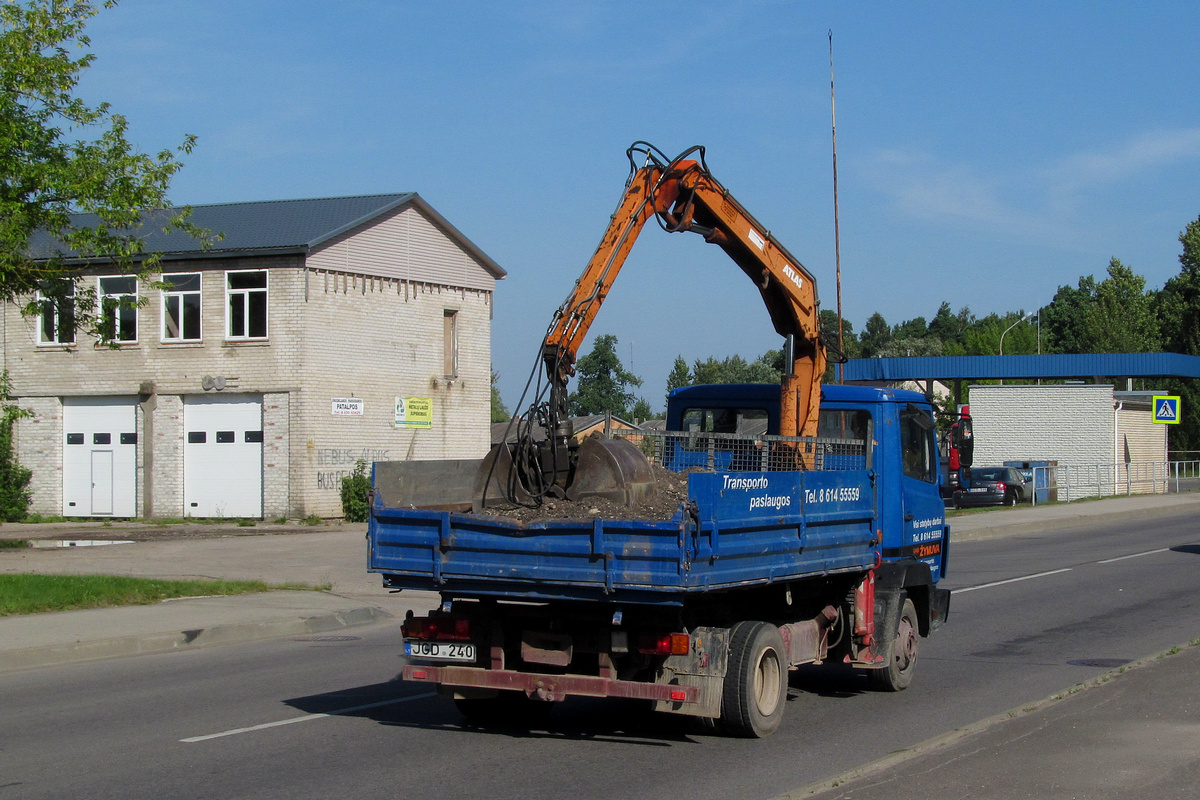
point(1067, 482)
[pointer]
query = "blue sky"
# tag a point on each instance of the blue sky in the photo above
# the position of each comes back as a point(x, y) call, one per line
point(987, 153)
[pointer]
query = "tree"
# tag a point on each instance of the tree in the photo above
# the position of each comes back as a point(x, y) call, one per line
point(1065, 319)
point(603, 381)
point(680, 375)
point(46, 175)
point(736, 369)
point(1122, 318)
point(952, 328)
point(875, 335)
point(1178, 311)
point(641, 411)
point(499, 412)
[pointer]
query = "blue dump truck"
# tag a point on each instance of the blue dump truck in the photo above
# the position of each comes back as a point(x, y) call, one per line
point(785, 551)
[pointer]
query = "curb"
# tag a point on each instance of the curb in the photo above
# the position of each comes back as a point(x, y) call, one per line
point(189, 639)
point(944, 740)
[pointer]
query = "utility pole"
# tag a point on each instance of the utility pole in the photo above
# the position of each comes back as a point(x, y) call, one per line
point(837, 241)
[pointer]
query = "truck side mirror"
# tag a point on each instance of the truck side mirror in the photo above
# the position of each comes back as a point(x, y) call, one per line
point(964, 440)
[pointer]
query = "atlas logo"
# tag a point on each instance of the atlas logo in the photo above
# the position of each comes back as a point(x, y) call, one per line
point(793, 277)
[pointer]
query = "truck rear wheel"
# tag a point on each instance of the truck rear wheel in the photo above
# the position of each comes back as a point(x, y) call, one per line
point(899, 652)
point(756, 681)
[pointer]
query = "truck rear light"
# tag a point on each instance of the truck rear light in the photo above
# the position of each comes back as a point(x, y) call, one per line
point(666, 644)
point(440, 628)
point(678, 697)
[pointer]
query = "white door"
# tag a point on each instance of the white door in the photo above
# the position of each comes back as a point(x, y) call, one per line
point(102, 481)
point(222, 456)
point(99, 456)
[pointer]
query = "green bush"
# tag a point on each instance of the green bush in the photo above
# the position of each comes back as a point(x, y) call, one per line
point(14, 479)
point(356, 487)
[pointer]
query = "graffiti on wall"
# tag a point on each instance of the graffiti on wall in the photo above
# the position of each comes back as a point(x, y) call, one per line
point(335, 463)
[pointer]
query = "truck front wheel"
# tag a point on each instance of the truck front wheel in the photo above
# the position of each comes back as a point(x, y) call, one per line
point(756, 681)
point(899, 653)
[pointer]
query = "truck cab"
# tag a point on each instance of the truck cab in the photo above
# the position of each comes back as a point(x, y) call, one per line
point(902, 457)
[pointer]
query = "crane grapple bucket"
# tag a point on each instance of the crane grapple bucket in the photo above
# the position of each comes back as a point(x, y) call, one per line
point(613, 469)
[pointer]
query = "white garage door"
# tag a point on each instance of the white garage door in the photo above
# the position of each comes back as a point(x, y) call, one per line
point(99, 457)
point(222, 456)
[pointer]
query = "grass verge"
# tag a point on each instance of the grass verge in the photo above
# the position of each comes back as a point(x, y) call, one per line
point(32, 594)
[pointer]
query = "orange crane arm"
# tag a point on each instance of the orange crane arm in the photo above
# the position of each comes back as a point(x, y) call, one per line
point(685, 196)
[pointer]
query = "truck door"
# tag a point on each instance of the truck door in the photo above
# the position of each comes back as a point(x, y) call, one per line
point(921, 503)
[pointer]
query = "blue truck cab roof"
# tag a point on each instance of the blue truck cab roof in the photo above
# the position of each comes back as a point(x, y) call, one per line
point(766, 397)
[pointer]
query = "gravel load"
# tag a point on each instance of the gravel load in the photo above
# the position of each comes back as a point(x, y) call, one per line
point(670, 494)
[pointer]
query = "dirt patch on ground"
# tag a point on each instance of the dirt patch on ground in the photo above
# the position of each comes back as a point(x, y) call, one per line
point(670, 493)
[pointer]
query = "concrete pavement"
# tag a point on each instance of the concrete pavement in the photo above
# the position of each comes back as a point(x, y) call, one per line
point(1134, 732)
point(331, 556)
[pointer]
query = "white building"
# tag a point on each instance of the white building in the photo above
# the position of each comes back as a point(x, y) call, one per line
point(1088, 428)
point(314, 334)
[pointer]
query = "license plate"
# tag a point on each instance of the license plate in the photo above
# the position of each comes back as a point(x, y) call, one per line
point(440, 651)
point(980, 489)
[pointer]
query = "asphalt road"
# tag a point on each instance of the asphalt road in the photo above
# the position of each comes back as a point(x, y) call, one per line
point(322, 717)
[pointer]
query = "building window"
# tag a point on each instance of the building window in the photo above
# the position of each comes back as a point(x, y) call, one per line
point(181, 307)
point(450, 344)
point(118, 309)
point(57, 323)
point(246, 294)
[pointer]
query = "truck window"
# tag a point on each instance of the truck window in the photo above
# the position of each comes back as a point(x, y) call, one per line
point(742, 421)
point(843, 424)
point(916, 444)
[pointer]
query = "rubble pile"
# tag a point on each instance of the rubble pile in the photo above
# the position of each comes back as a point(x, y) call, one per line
point(671, 493)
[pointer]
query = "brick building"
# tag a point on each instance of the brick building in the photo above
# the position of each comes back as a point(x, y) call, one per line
point(314, 334)
point(1088, 428)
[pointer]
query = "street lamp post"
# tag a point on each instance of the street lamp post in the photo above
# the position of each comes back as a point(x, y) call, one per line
point(1010, 327)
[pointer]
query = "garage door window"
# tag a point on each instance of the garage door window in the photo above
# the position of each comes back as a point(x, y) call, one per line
point(246, 309)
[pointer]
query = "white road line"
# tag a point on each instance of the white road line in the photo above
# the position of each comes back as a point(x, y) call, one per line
point(1135, 555)
point(1011, 580)
point(306, 718)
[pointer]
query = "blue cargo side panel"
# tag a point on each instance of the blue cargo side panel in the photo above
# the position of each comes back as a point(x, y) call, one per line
point(773, 526)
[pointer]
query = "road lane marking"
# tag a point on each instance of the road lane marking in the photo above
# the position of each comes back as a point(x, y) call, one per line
point(1135, 555)
point(1011, 580)
point(307, 718)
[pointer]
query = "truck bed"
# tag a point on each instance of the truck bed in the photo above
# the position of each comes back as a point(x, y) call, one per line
point(738, 529)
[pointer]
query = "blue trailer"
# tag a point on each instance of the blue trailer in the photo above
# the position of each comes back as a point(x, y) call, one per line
point(762, 568)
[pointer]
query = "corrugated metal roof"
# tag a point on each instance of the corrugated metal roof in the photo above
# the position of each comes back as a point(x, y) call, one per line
point(1115, 365)
point(271, 226)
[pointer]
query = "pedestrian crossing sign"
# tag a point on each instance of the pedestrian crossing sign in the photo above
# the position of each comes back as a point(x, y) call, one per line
point(1166, 409)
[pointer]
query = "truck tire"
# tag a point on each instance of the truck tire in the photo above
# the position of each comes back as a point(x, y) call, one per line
point(505, 710)
point(899, 653)
point(756, 681)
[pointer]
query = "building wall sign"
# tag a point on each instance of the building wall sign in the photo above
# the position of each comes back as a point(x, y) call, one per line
point(348, 406)
point(414, 412)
